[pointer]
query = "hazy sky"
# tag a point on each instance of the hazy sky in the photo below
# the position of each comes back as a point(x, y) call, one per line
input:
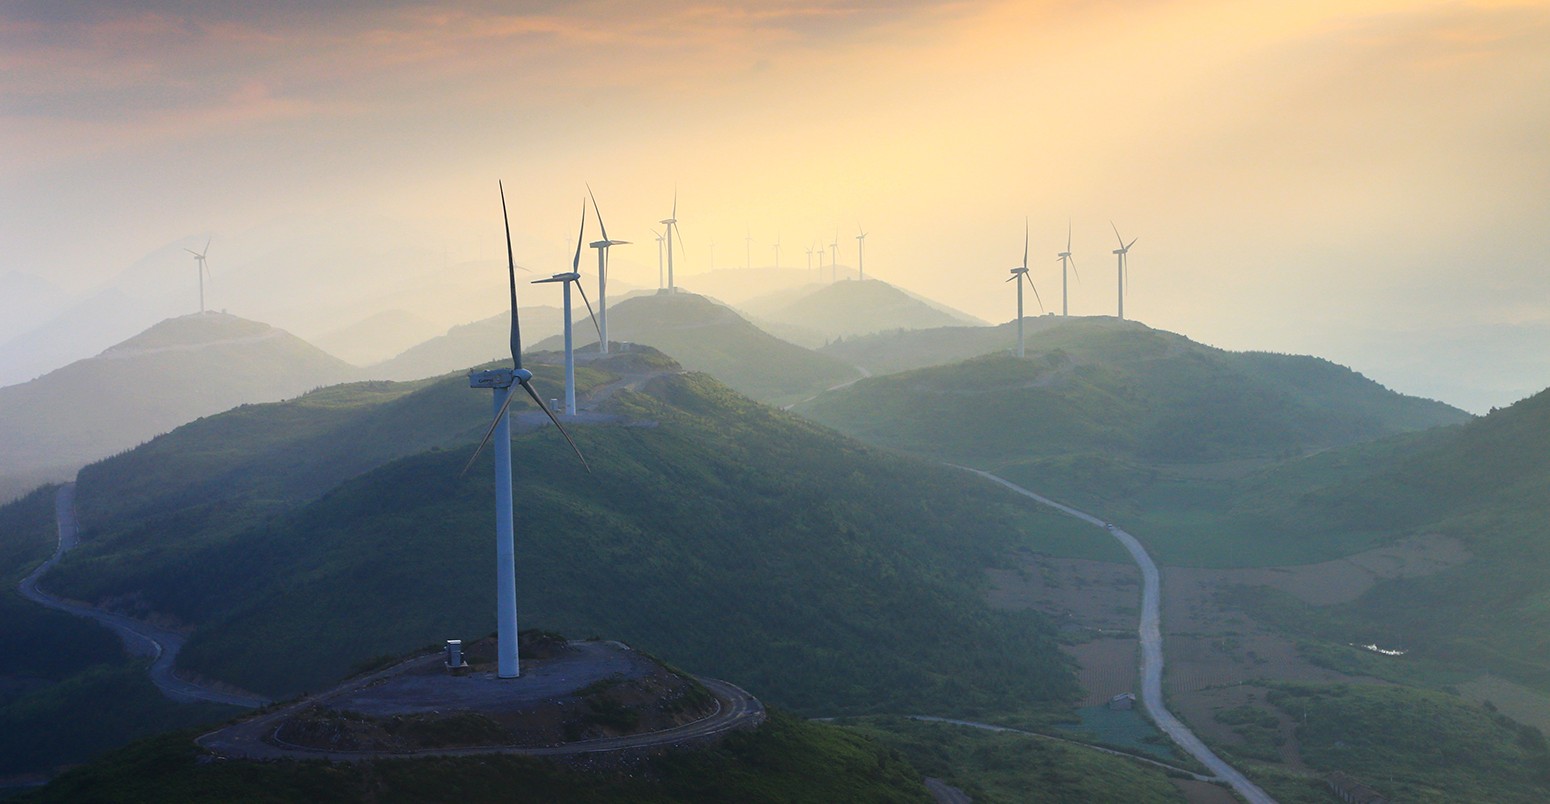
point(1362, 180)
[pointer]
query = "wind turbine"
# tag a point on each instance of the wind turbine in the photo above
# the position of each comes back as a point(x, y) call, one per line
point(819, 250)
point(809, 259)
point(201, 268)
point(777, 252)
point(500, 381)
point(566, 279)
point(834, 257)
point(602, 247)
point(1019, 273)
point(1124, 268)
point(861, 253)
point(1065, 260)
point(660, 285)
point(672, 225)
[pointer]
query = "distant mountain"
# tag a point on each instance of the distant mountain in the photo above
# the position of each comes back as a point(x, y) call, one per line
point(172, 373)
point(828, 311)
point(25, 302)
point(467, 345)
point(377, 337)
point(901, 350)
point(707, 336)
point(1096, 395)
point(738, 285)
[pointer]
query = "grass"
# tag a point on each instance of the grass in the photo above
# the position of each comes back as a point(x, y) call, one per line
point(785, 760)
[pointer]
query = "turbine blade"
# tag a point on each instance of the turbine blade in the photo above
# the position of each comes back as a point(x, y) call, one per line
point(207, 247)
point(1035, 292)
point(1073, 269)
point(1025, 243)
point(1068, 235)
point(1012, 278)
point(675, 202)
point(193, 252)
point(1131, 243)
point(489, 431)
point(1116, 234)
point(545, 408)
point(511, 274)
point(584, 298)
point(599, 213)
point(575, 263)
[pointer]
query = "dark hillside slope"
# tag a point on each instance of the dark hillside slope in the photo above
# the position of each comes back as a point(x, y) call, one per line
point(715, 532)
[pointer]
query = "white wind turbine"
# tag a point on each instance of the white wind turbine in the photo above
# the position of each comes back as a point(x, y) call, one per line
point(500, 381)
point(777, 252)
point(672, 226)
point(1018, 274)
point(860, 253)
point(834, 257)
point(566, 279)
point(201, 268)
point(602, 247)
point(1066, 260)
point(1124, 267)
point(819, 251)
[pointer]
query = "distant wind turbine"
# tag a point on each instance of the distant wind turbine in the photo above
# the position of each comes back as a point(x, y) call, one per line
point(809, 259)
point(1066, 260)
point(777, 252)
point(819, 251)
point(566, 279)
point(500, 381)
point(672, 226)
point(661, 286)
point(860, 253)
point(1019, 273)
point(602, 247)
point(834, 257)
point(201, 268)
point(1124, 267)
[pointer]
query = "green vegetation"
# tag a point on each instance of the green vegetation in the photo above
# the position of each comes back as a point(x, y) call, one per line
point(1415, 745)
point(59, 673)
point(821, 574)
point(785, 760)
point(1143, 425)
point(1008, 767)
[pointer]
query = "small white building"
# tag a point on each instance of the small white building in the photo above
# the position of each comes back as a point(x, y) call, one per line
point(1124, 700)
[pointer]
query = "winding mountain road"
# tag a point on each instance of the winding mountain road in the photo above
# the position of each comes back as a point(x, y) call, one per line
point(1151, 650)
point(139, 638)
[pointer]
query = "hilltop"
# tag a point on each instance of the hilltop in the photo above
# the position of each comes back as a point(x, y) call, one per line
point(377, 337)
point(707, 336)
point(467, 345)
point(301, 539)
point(172, 373)
point(815, 314)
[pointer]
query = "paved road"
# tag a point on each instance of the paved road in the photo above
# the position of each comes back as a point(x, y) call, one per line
point(1151, 651)
point(255, 738)
point(139, 638)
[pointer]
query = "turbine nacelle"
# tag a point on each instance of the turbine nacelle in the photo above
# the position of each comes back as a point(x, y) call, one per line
point(569, 276)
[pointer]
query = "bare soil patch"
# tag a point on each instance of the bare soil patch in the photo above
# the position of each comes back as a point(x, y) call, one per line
point(1204, 792)
point(1108, 667)
point(1346, 579)
point(1078, 593)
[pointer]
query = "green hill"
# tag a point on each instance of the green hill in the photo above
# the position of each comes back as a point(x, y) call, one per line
point(466, 345)
point(299, 540)
point(172, 373)
point(1485, 483)
point(820, 313)
point(707, 336)
point(783, 761)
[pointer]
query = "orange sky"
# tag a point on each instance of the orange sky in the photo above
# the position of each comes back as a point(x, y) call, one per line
point(1301, 176)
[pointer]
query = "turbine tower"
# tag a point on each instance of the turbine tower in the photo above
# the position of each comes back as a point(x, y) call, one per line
point(660, 285)
point(1124, 267)
point(1066, 260)
point(602, 247)
point(819, 251)
point(672, 225)
point(809, 259)
point(834, 257)
point(201, 268)
point(861, 253)
point(500, 381)
point(1019, 273)
point(777, 252)
point(566, 279)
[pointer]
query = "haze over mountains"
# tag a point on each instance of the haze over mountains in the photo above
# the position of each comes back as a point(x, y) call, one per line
point(172, 373)
point(813, 315)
